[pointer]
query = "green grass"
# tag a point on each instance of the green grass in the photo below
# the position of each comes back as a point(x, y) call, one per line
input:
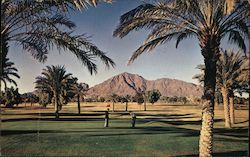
point(163, 130)
point(90, 138)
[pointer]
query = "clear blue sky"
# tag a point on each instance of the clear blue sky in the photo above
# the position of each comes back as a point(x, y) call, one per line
point(100, 22)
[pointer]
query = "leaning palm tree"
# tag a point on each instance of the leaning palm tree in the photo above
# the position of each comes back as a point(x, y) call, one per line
point(232, 75)
point(8, 72)
point(38, 26)
point(54, 80)
point(209, 21)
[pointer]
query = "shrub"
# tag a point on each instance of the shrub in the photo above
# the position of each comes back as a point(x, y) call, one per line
point(153, 96)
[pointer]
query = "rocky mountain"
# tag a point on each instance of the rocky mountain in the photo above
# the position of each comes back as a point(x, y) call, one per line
point(127, 83)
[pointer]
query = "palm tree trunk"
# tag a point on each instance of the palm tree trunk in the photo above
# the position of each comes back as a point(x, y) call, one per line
point(3, 52)
point(3, 47)
point(78, 104)
point(232, 114)
point(1, 86)
point(145, 107)
point(56, 106)
point(231, 106)
point(224, 92)
point(206, 133)
point(53, 101)
point(216, 103)
point(5, 86)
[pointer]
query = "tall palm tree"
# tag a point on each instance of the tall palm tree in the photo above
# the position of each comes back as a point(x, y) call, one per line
point(38, 26)
point(79, 90)
point(54, 79)
point(209, 21)
point(9, 71)
point(232, 75)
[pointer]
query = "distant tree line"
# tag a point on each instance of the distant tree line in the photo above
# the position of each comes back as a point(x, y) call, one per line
point(151, 97)
point(176, 99)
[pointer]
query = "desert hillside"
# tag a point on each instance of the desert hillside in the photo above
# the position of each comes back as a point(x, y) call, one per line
point(127, 83)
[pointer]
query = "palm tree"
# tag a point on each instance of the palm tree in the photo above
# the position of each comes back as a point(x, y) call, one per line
point(79, 90)
point(113, 97)
point(9, 71)
point(44, 98)
point(38, 26)
point(232, 75)
point(12, 97)
point(54, 79)
point(209, 21)
point(200, 78)
point(144, 100)
point(127, 99)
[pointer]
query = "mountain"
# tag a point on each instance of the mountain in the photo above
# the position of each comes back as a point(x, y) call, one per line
point(127, 83)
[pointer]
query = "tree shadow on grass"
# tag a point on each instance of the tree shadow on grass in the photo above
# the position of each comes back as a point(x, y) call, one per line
point(223, 139)
point(52, 119)
point(61, 114)
point(21, 132)
point(88, 116)
point(14, 107)
point(188, 122)
point(234, 132)
point(221, 134)
point(173, 120)
point(92, 113)
point(152, 110)
point(220, 154)
point(166, 115)
point(113, 131)
point(181, 105)
point(242, 122)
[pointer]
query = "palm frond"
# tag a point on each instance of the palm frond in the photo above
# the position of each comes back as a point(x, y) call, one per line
point(209, 21)
point(8, 72)
point(39, 26)
point(236, 37)
point(75, 4)
point(150, 45)
point(182, 37)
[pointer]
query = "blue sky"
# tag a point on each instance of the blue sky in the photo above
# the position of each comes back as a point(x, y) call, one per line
point(99, 23)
